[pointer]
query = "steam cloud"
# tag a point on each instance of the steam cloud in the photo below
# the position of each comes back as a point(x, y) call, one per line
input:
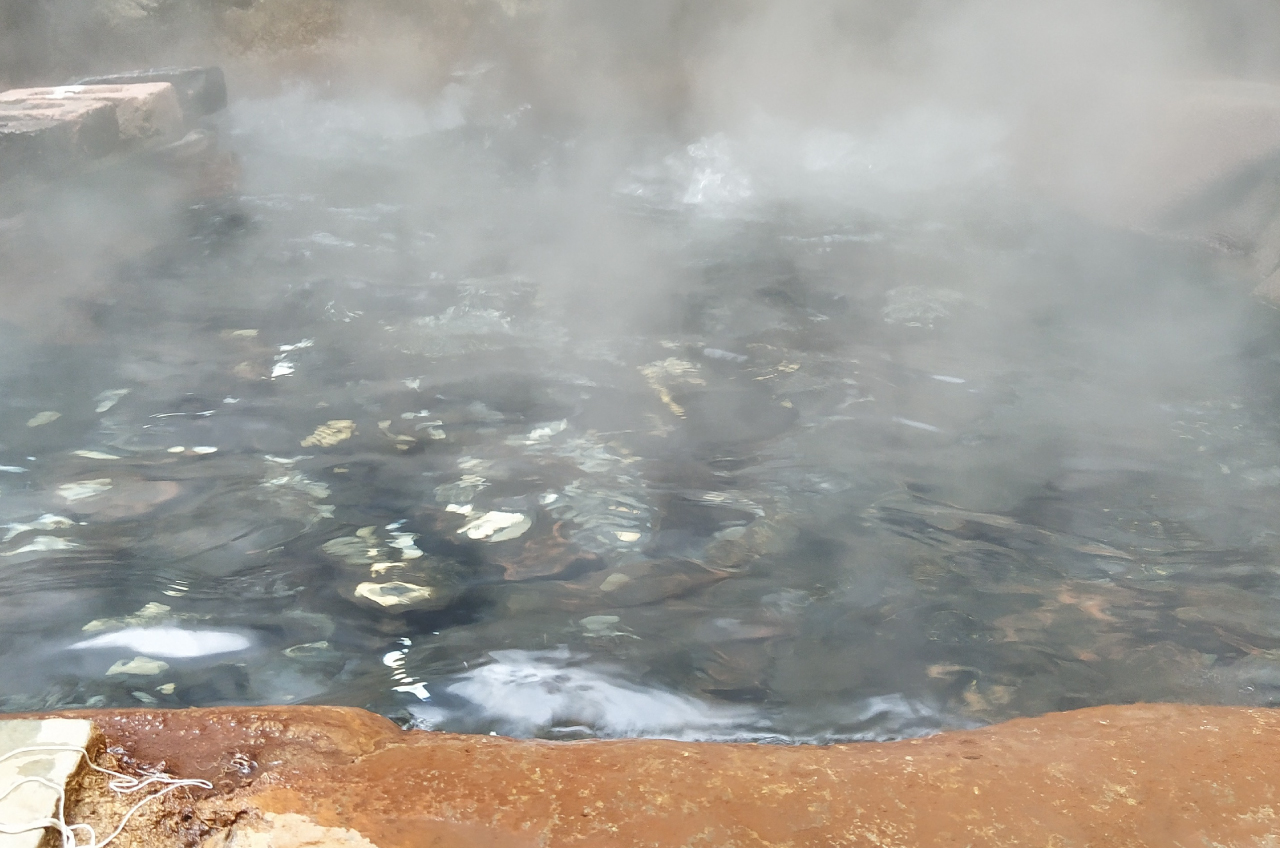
point(620, 138)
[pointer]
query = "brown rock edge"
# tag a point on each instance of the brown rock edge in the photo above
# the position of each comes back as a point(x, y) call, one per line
point(1158, 775)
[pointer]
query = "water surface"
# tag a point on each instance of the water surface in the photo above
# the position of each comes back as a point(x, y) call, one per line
point(442, 416)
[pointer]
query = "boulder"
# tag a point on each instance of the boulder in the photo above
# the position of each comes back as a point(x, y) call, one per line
point(200, 91)
point(43, 136)
point(145, 112)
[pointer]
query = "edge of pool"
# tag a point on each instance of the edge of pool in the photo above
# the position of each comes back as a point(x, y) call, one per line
point(1138, 775)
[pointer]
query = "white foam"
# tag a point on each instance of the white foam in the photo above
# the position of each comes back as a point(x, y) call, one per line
point(533, 692)
point(48, 521)
point(917, 425)
point(717, 353)
point(41, 544)
point(497, 526)
point(169, 642)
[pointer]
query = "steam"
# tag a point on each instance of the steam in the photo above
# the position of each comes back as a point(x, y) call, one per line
point(959, 187)
point(879, 106)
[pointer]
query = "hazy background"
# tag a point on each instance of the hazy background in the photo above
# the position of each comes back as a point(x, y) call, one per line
point(983, 119)
point(982, 116)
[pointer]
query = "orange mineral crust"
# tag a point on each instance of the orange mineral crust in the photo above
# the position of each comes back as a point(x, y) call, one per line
point(1158, 775)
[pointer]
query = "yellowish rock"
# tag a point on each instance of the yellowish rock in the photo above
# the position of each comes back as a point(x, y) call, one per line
point(330, 433)
point(42, 418)
point(138, 665)
point(285, 830)
point(395, 593)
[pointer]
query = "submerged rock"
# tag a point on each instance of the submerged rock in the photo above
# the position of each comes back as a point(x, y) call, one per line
point(382, 568)
point(632, 584)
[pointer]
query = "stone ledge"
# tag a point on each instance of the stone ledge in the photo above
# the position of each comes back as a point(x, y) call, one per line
point(41, 137)
point(1139, 775)
point(145, 112)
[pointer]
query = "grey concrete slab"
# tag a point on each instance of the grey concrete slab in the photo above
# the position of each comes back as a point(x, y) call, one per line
point(29, 802)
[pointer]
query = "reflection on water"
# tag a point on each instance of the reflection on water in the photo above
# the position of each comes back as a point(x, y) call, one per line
point(421, 425)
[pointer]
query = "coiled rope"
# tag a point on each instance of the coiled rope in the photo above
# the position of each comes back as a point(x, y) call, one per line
point(121, 783)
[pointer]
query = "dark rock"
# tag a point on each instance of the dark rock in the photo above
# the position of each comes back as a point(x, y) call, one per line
point(201, 91)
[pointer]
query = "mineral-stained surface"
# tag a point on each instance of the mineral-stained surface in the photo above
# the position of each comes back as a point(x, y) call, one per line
point(1156, 775)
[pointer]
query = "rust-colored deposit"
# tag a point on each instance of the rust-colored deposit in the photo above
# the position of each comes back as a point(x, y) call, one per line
point(1158, 775)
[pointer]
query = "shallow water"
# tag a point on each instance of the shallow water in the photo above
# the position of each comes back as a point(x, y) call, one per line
point(698, 444)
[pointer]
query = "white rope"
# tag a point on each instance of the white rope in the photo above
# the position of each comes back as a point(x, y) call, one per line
point(122, 783)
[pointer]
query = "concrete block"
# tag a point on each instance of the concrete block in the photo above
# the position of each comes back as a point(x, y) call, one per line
point(145, 112)
point(32, 802)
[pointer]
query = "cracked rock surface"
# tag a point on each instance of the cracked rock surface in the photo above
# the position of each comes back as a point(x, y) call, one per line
point(1138, 775)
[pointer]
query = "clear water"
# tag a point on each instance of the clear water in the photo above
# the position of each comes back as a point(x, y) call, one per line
point(827, 438)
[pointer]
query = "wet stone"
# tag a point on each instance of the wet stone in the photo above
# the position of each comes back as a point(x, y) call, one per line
point(383, 569)
point(1256, 619)
point(634, 584)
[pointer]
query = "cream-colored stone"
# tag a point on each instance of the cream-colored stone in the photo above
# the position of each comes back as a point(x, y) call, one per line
point(138, 665)
point(144, 111)
point(395, 593)
point(30, 802)
point(330, 433)
point(285, 830)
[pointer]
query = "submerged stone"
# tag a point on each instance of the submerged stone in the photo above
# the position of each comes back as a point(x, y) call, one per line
point(383, 569)
point(629, 585)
